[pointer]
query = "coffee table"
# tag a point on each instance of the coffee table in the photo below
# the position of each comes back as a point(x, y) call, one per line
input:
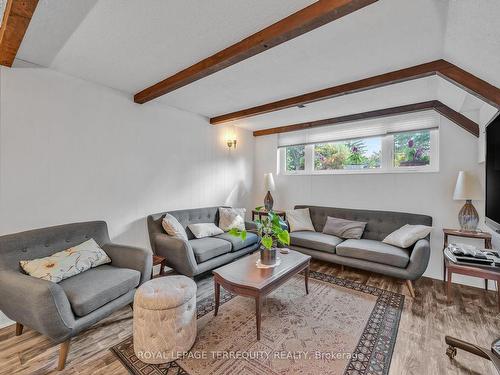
point(243, 278)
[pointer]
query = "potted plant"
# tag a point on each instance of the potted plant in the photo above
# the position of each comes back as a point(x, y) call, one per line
point(271, 232)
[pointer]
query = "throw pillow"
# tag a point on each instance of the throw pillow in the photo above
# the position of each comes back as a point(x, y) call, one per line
point(230, 218)
point(173, 228)
point(202, 230)
point(66, 263)
point(299, 219)
point(407, 235)
point(344, 228)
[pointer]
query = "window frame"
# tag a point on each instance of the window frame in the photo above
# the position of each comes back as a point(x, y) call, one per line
point(386, 158)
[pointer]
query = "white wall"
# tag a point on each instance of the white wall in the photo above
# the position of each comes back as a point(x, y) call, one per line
point(424, 193)
point(72, 151)
point(471, 38)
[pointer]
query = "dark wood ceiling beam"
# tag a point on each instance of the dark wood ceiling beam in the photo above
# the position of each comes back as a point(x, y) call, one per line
point(436, 105)
point(16, 18)
point(472, 84)
point(443, 68)
point(315, 15)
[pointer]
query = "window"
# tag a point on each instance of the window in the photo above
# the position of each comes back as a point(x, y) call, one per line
point(395, 152)
point(351, 155)
point(412, 149)
point(295, 158)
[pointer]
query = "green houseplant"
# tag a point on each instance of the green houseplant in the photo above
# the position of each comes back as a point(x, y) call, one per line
point(271, 232)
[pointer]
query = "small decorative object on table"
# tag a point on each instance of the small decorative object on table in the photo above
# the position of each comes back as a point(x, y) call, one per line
point(271, 233)
point(269, 186)
point(468, 189)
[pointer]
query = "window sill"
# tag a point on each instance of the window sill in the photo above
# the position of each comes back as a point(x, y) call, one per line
point(357, 172)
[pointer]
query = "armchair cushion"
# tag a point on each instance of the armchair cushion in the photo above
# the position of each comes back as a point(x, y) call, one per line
point(96, 287)
point(208, 248)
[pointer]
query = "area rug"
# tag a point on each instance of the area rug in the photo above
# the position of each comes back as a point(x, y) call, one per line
point(340, 327)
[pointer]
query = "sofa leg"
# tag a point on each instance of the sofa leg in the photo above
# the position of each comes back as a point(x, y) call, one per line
point(19, 329)
point(63, 354)
point(409, 284)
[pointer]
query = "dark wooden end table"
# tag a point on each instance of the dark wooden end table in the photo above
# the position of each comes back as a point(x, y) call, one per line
point(243, 278)
point(260, 213)
point(450, 267)
point(159, 260)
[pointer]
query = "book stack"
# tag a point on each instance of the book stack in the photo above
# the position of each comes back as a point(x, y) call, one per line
point(468, 254)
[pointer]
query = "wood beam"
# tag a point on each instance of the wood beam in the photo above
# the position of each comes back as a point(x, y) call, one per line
point(443, 68)
point(436, 105)
point(315, 15)
point(16, 18)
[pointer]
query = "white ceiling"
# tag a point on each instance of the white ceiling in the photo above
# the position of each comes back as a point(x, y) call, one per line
point(129, 45)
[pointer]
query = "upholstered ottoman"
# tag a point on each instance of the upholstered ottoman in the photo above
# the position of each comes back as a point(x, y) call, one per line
point(164, 318)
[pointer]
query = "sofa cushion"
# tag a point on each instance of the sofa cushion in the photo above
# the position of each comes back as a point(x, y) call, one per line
point(96, 287)
point(237, 243)
point(209, 247)
point(374, 251)
point(315, 241)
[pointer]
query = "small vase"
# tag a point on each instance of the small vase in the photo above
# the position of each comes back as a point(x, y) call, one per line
point(268, 256)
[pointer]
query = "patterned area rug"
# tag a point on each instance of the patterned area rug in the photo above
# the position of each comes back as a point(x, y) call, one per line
point(341, 327)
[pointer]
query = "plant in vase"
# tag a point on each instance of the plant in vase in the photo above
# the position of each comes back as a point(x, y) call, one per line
point(271, 232)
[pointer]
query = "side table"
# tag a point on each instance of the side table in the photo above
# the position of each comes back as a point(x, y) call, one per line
point(159, 260)
point(469, 270)
point(260, 213)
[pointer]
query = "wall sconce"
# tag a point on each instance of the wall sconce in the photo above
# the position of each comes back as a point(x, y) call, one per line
point(231, 139)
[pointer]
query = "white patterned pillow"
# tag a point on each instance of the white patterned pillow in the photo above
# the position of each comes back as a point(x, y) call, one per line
point(66, 263)
point(173, 228)
point(231, 218)
point(202, 230)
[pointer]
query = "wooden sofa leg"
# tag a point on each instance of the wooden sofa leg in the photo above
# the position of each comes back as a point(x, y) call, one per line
point(19, 329)
point(409, 284)
point(63, 354)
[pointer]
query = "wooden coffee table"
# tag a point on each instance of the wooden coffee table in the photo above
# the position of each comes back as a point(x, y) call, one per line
point(243, 278)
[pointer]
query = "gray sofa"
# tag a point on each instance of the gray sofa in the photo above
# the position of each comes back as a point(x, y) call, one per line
point(196, 256)
point(61, 311)
point(368, 253)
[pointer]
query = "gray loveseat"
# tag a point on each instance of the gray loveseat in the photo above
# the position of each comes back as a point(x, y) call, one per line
point(196, 256)
point(368, 253)
point(61, 311)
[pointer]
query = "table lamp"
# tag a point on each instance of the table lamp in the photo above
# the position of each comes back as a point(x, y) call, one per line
point(468, 189)
point(269, 186)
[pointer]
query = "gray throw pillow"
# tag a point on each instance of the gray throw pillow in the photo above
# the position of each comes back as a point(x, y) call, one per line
point(344, 228)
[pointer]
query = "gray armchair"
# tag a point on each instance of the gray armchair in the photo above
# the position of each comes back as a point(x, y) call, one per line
point(61, 311)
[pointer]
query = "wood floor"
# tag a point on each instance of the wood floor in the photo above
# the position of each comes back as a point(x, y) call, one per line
point(419, 348)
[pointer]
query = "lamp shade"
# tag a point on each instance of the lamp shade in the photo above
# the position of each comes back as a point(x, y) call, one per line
point(467, 187)
point(269, 182)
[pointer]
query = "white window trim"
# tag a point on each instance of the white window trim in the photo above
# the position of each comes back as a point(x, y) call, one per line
point(386, 162)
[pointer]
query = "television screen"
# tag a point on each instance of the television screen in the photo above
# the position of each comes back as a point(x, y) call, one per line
point(493, 174)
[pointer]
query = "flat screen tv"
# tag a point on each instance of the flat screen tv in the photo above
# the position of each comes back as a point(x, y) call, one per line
point(493, 174)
